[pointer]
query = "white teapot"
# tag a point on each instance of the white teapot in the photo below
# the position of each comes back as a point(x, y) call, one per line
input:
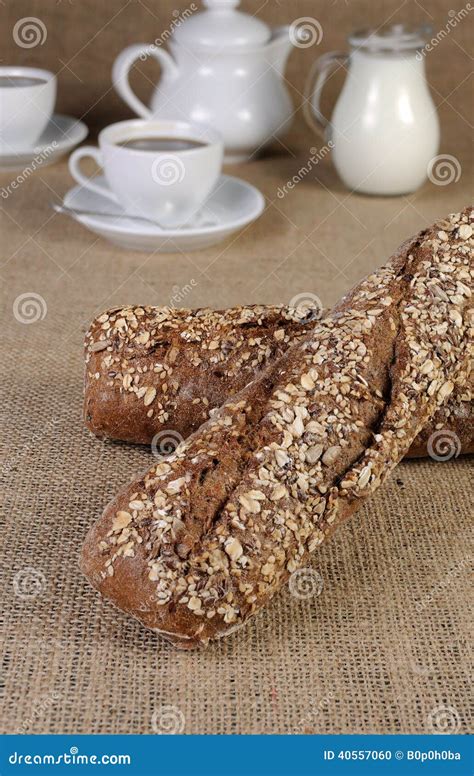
point(384, 130)
point(225, 70)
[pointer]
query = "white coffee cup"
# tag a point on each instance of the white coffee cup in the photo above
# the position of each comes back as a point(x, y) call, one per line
point(27, 98)
point(167, 185)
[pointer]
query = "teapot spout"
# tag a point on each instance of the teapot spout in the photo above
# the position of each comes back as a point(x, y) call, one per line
point(279, 47)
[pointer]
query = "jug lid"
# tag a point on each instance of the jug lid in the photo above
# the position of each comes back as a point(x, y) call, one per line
point(220, 25)
point(394, 37)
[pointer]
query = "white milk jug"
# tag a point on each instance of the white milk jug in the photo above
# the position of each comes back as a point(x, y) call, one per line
point(384, 130)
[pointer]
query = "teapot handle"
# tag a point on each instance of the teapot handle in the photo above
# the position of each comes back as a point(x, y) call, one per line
point(315, 81)
point(121, 69)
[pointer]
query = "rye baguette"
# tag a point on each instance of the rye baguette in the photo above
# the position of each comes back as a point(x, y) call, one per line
point(206, 537)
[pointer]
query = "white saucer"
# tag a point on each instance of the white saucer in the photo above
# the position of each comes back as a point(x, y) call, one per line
point(61, 135)
point(232, 204)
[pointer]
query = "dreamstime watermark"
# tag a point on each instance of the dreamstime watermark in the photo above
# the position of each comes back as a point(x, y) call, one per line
point(444, 169)
point(455, 17)
point(316, 156)
point(165, 443)
point(444, 584)
point(179, 18)
point(418, 668)
point(407, 663)
point(316, 710)
point(36, 162)
point(179, 293)
point(305, 583)
point(38, 709)
point(167, 170)
point(443, 720)
point(72, 757)
point(168, 721)
point(29, 307)
point(443, 445)
point(30, 32)
point(307, 305)
point(305, 32)
point(28, 583)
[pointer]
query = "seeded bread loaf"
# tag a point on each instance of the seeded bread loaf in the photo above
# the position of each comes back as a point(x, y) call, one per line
point(155, 373)
point(451, 431)
point(207, 536)
point(158, 369)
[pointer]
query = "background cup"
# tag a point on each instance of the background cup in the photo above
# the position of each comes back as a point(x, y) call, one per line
point(24, 109)
point(165, 186)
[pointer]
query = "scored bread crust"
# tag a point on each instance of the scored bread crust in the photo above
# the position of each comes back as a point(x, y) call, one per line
point(207, 536)
point(154, 374)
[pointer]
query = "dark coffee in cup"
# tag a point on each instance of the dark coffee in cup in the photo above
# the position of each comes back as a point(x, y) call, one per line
point(161, 144)
point(15, 81)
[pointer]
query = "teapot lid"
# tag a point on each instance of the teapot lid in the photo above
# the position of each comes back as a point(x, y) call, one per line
point(221, 26)
point(394, 38)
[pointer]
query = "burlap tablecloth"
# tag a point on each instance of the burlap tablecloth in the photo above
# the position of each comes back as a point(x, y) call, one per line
point(384, 647)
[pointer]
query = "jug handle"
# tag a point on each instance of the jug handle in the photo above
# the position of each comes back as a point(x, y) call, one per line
point(121, 69)
point(315, 81)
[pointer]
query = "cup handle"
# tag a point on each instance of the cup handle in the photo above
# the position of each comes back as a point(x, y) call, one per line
point(121, 69)
point(315, 81)
point(75, 170)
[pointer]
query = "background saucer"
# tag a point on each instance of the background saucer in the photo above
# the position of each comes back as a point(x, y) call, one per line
point(61, 135)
